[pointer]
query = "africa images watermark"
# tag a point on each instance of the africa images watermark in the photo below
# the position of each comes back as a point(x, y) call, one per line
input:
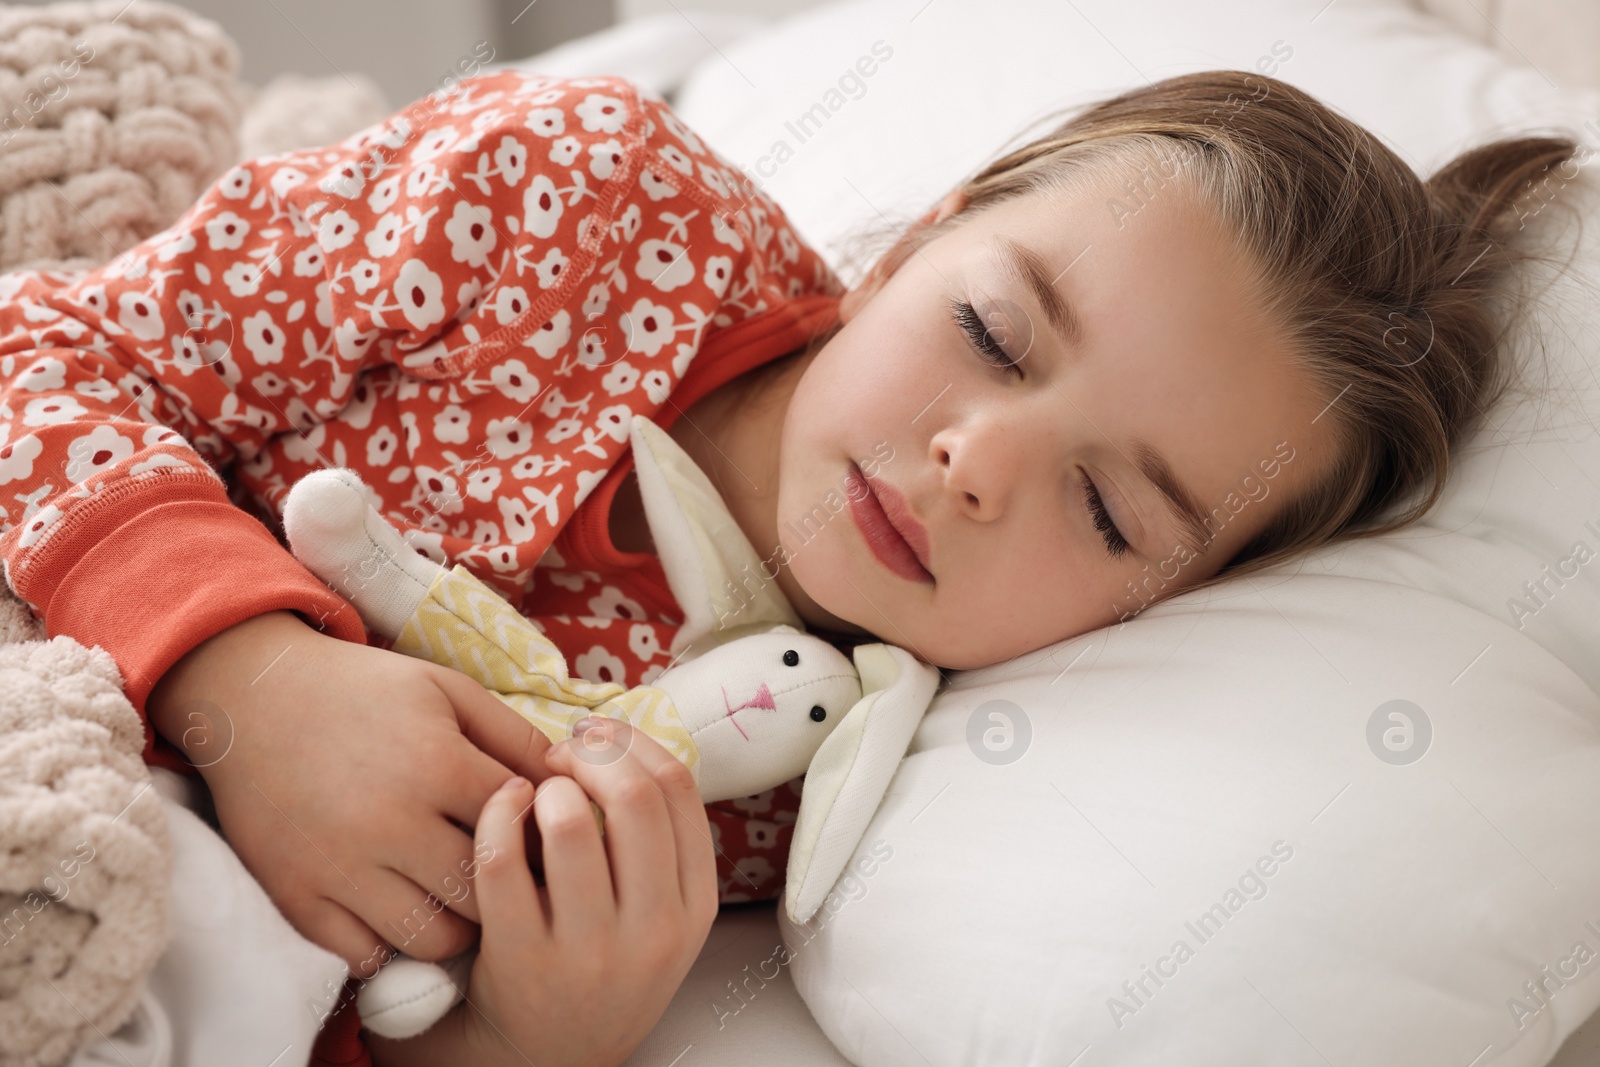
point(743, 588)
point(847, 889)
point(1251, 886)
point(51, 89)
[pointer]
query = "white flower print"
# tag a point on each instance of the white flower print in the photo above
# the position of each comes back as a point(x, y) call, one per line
point(509, 302)
point(437, 491)
point(364, 275)
point(604, 157)
point(594, 305)
point(383, 240)
point(159, 459)
point(16, 458)
point(52, 410)
point(657, 385)
point(420, 180)
point(713, 180)
point(541, 206)
point(664, 264)
point(503, 558)
point(676, 159)
point(97, 389)
point(43, 519)
point(481, 484)
point(384, 193)
point(598, 665)
point(719, 269)
point(728, 235)
point(654, 187)
point(614, 421)
point(511, 160)
point(648, 326)
point(451, 424)
point(620, 379)
point(682, 132)
point(92, 453)
point(508, 437)
point(173, 247)
point(381, 447)
point(548, 339)
point(43, 374)
point(284, 179)
point(759, 804)
point(485, 532)
point(601, 113)
point(304, 447)
point(434, 143)
point(756, 868)
point(533, 467)
point(140, 316)
point(643, 642)
point(268, 384)
point(235, 185)
point(514, 380)
point(761, 834)
point(244, 277)
point(226, 231)
point(420, 293)
point(263, 338)
point(472, 236)
point(563, 150)
point(548, 269)
point(308, 262)
point(563, 429)
point(517, 519)
point(547, 121)
point(350, 341)
point(335, 229)
point(591, 350)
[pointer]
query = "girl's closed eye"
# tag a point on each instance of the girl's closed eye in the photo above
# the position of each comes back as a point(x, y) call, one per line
point(983, 340)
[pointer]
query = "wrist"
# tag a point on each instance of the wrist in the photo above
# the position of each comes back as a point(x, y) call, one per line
point(186, 704)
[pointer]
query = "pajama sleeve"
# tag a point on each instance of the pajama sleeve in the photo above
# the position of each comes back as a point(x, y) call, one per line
point(126, 392)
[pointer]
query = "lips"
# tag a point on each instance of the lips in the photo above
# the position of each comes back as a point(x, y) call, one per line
point(895, 537)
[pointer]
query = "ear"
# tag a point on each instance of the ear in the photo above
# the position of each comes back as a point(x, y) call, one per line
point(856, 298)
point(852, 770)
point(711, 567)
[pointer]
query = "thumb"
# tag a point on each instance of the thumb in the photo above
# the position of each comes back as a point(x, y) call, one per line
point(494, 727)
point(506, 895)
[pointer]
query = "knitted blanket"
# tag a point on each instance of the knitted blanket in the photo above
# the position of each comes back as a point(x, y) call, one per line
point(113, 119)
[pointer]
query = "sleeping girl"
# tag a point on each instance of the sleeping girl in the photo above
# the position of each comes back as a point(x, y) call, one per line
point(1190, 332)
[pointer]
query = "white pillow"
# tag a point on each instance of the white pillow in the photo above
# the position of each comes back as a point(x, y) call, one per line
point(996, 910)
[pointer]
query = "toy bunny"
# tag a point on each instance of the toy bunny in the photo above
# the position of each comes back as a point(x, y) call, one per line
point(750, 700)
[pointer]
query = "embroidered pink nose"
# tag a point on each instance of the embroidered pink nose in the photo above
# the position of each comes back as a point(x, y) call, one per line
point(762, 699)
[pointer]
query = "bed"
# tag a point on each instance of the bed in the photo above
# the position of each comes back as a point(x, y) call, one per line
point(975, 945)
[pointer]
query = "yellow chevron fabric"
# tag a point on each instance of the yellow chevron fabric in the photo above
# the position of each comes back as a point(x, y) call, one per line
point(465, 625)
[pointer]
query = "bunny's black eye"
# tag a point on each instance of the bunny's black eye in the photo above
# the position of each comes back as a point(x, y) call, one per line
point(790, 658)
point(818, 713)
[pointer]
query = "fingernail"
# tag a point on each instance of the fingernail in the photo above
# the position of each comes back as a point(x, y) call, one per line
point(585, 724)
point(514, 784)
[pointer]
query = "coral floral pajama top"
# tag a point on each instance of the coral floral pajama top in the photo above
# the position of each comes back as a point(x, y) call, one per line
point(465, 304)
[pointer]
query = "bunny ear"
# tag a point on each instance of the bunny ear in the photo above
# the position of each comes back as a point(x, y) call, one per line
point(710, 565)
point(851, 771)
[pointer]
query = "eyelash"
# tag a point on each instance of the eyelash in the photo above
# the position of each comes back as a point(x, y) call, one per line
point(966, 318)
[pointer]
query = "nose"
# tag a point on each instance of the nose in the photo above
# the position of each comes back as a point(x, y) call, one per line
point(981, 461)
point(762, 699)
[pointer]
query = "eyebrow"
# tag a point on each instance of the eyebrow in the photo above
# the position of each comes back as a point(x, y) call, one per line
point(1025, 267)
point(1193, 530)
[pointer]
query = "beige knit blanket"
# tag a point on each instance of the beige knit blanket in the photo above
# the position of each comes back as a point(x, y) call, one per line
point(113, 119)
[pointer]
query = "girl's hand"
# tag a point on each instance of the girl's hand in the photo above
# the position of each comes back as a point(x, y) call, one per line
point(577, 973)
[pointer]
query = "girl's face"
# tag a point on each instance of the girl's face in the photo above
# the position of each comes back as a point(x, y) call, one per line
point(1164, 348)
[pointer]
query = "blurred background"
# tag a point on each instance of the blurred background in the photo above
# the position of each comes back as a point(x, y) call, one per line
point(407, 46)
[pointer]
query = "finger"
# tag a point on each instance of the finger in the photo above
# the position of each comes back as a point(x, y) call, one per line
point(339, 930)
point(503, 883)
point(438, 858)
point(613, 764)
point(413, 920)
point(494, 727)
point(582, 901)
point(691, 829)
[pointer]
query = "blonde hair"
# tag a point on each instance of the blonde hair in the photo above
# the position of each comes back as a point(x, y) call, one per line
point(1391, 290)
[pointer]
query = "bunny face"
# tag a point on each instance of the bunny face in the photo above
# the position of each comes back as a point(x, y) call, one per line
point(759, 707)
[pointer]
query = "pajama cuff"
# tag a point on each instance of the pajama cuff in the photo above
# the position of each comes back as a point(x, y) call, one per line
point(150, 586)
